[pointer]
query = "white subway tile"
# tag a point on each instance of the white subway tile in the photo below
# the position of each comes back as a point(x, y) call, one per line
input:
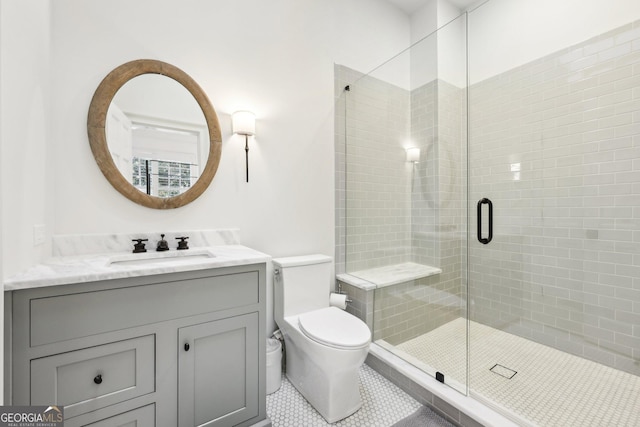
point(614, 98)
point(615, 52)
point(598, 46)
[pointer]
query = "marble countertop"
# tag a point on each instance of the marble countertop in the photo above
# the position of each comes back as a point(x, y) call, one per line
point(89, 268)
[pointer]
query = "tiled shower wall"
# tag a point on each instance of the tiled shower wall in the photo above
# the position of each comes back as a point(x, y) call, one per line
point(452, 189)
point(342, 77)
point(394, 210)
point(410, 309)
point(424, 175)
point(378, 200)
point(438, 223)
point(555, 144)
point(438, 122)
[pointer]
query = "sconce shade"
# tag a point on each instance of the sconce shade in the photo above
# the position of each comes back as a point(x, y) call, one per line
point(413, 154)
point(243, 123)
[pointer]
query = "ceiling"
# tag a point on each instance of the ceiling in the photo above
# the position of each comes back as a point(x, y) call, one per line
point(411, 6)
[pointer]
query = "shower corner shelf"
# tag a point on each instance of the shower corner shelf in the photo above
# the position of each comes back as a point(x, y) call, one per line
point(389, 275)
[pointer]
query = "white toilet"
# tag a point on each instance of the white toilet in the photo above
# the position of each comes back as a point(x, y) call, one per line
point(324, 346)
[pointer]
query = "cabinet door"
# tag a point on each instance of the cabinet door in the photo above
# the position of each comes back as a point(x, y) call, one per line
point(218, 372)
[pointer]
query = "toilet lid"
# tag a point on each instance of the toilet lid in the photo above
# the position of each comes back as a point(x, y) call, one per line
point(335, 328)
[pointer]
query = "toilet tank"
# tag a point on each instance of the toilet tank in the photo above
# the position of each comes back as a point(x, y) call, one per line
point(302, 284)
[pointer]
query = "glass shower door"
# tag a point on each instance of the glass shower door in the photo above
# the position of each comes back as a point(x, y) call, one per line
point(405, 213)
point(554, 295)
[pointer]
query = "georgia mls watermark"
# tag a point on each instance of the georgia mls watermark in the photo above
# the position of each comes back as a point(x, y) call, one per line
point(31, 416)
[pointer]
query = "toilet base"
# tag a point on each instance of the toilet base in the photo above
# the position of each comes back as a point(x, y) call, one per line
point(327, 377)
point(327, 409)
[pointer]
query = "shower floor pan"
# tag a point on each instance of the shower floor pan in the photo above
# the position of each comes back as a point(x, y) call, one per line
point(542, 385)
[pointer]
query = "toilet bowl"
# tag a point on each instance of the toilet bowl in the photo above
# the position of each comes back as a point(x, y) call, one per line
point(324, 346)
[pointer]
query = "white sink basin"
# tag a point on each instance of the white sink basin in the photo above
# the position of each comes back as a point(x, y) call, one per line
point(158, 258)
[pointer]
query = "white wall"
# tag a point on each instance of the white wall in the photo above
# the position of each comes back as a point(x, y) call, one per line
point(425, 20)
point(25, 183)
point(447, 12)
point(424, 53)
point(438, 34)
point(274, 58)
point(452, 41)
point(26, 180)
point(504, 34)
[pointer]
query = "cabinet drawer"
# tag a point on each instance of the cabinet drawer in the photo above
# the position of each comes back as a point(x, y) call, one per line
point(95, 377)
point(141, 417)
point(65, 317)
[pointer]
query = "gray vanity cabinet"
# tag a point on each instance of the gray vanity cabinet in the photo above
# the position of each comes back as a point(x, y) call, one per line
point(179, 349)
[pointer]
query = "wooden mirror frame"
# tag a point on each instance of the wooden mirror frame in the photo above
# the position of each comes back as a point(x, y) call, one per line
point(96, 123)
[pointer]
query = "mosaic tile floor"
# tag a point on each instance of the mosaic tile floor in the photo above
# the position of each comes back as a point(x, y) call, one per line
point(551, 388)
point(383, 404)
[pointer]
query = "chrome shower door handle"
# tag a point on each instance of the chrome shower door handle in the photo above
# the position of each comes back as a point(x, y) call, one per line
point(485, 201)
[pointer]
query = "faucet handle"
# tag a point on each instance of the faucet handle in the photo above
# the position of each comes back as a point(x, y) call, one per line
point(182, 244)
point(139, 246)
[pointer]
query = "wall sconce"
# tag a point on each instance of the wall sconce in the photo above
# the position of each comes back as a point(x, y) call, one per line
point(244, 123)
point(413, 154)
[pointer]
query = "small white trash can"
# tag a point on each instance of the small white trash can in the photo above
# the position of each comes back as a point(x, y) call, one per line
point(274, 365)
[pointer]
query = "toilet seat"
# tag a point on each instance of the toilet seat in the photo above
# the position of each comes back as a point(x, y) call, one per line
point(335, 328)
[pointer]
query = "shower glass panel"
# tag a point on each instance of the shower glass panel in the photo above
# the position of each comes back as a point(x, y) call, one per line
point(555, 295)
point(405, 210)
point(506, 262)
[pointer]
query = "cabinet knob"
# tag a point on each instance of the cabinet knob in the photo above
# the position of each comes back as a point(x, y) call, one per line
point(186, 346)
point(98, 379)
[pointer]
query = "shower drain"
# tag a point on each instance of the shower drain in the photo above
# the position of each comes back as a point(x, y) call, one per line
point(503, 371)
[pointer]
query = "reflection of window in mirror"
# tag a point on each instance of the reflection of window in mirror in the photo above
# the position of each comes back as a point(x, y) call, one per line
point(159, 144)
point(174, 151)
point(161, 178)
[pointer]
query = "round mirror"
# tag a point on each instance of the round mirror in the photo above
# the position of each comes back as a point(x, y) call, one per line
point(154, 134)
